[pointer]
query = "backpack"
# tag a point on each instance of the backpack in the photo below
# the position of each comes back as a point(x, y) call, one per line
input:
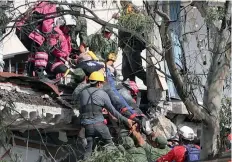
point(192, 154)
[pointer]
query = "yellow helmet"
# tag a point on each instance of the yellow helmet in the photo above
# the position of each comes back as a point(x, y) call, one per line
point(112, 56)
point(97, 76)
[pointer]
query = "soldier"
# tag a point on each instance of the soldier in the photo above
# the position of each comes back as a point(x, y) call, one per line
point(138, 154)
point(81, 30)
point(102, 44)
point(131, 47)
point(156, 148)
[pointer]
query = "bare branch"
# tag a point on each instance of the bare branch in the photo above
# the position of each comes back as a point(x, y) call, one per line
point(191, 32)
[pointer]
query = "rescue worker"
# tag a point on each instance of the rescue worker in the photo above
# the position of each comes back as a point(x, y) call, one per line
point(58, 66)
point(92, 100)
point(102, 44)
point(80, 30)
point(186, 151)
point(131, 47)
point(137, 154)
point(48, 41)
point(156, 148)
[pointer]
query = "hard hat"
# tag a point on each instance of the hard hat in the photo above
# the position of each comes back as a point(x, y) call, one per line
point(69, 20)
point(59, 21)
point(186, 133)
point(78, 75)
point(161, 141)
point(97, 76)
point(112, 56)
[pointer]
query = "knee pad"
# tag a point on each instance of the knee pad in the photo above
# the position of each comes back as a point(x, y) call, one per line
point(41, 59)
point(59, 67)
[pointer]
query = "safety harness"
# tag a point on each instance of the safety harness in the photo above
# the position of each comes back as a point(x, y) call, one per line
point(90, 111)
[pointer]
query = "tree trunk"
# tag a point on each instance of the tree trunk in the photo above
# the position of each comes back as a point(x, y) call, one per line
point(213, 92)
point(219, 69)
point(210, 136)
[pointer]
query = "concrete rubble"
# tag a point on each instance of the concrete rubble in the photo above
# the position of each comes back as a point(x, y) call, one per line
point(164, 126)
point(21, 106)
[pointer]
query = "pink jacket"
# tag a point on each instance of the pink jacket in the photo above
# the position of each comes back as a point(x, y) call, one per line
point(46, 8)
point(61, 42)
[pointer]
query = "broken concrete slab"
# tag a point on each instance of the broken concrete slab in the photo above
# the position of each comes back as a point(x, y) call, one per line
point(163, 126)
point(22, 115)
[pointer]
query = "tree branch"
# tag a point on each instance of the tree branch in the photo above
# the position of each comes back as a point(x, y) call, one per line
point(175, 73)
point(96, 19)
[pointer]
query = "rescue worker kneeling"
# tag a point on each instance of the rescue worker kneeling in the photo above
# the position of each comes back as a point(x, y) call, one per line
point(92, 100)
point(186, 151)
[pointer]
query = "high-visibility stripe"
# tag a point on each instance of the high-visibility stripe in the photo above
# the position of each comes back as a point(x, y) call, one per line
point(39, 63)
point(41, 55)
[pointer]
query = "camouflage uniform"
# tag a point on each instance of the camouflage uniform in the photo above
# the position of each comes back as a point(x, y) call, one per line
point(138, 154)
point(154, 153)
point(78, 76)
point(81, 30)
point(101, 46)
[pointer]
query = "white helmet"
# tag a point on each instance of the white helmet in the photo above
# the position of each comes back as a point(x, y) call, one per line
point(186, 133)
point(69, 20)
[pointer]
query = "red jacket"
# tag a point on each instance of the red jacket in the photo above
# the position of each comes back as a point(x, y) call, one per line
point(62, 43)
point(177, 154)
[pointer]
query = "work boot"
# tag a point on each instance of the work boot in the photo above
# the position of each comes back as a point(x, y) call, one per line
point(42, 77)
